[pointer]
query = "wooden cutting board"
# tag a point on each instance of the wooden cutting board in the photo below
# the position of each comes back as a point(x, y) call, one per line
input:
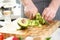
point(39, 32)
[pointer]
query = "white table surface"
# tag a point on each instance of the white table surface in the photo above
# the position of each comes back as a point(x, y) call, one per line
point(56, 35)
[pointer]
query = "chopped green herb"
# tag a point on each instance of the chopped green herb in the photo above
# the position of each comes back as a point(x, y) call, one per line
point(48, 38)
point(20, 38)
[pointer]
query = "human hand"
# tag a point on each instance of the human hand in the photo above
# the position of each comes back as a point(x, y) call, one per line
point(30, 10)
point(49, 13)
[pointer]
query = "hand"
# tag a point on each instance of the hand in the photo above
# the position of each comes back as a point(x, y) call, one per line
point(30, 10)
point(49, 13)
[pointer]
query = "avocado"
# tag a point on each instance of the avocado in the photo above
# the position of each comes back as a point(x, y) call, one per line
point(40, 18)
point(23, 22)
point(37, 21)
point(22, 27)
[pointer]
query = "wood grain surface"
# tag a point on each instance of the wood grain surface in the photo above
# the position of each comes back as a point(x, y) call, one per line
point(40, 33)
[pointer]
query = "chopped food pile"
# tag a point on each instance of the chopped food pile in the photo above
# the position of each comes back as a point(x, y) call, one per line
point(37, 21)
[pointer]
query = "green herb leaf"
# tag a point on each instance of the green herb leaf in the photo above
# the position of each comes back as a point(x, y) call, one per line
point(48, 38)
point(20, 38)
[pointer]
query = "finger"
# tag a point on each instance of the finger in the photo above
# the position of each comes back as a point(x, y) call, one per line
point(25, 9)
point(27, 14)
point(51, 17)
point(34, 14)
point(47, 14)
point(31, 16)
point(44, 12)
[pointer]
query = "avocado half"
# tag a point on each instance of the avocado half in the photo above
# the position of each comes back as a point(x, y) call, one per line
point(23, 22)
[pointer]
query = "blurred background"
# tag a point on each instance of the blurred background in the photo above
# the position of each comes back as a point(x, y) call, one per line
point(16, 8)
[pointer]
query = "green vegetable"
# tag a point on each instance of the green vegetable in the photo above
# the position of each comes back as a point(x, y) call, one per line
point(23, 22)
point(22, 27)
point(37, 21)
point(48, 38)
point(20, 38)
point(34, 23)
point(40, 18)
point(39, 25)
point(30, 22)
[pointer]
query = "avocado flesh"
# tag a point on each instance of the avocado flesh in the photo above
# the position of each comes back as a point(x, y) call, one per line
point(25, 24)
point(40, 18)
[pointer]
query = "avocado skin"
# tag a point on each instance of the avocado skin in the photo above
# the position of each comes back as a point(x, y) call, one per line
point(22, 27)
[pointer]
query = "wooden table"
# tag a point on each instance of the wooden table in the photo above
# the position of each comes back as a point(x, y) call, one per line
point(40, 33)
